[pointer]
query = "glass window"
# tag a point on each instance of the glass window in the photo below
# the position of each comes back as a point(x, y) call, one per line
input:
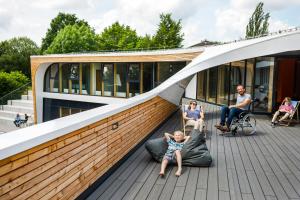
point(148, 77)
point(52, 79)
point(98, 79)
point(120, 79)
point(201, 85)
point(223, 84)
point(264, 70)
point(167, 69)
point(70, 78)
point(65, 78)
point(85, 78)
point(134, 79)
point(108, 79)
point(236, 78)
point(211, 89)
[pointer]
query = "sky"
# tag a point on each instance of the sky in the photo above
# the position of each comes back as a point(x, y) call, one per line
point(218, 20)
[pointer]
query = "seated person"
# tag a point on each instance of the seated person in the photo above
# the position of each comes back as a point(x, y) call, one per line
point(242, 103)
point(193, 116)
point(174, 150)
point(286, 108)
point(17, 120)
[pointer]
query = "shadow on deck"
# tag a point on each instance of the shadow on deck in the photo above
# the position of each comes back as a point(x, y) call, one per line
point(261, 166)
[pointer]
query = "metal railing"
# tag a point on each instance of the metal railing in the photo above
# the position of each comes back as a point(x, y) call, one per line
point(15, 94)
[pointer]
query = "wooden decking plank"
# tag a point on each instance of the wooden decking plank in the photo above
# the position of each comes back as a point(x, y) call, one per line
point(222, 172)
point(234, 187)
point(182, 180)
point(147, 187)
point(200, 194)
point(247, 197)
point(178, 193)
point(202, 178)
point(134, 189)
point(191, 186)
point(169, 186)
point(255, 186)
point(271, 198)
point(155, 192)
point(280, 193)
point(224, 195)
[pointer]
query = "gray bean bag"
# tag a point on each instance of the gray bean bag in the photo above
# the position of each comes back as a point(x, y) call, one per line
point(194, 152)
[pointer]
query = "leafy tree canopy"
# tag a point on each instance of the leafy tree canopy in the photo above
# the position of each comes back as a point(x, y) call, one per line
point(74, 38)
point(11, 81)
point(258, 23)
point(118, 37)
point(57, 24)
point(145, 42)
point(15, 54)
point(168, 34)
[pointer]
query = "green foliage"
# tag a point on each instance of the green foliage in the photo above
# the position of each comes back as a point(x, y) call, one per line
point(57, 24)
point(74, 38)
point(258, 23)
point(11, 81)
point(168, 34)
point(118, 37)
point(144, 42)
point(15, 54)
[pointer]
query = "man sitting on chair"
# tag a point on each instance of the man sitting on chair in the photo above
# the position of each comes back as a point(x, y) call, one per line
point(194, 116)
point(242, 103)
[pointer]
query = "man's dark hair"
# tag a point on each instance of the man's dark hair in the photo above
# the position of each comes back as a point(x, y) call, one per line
point(240, 85)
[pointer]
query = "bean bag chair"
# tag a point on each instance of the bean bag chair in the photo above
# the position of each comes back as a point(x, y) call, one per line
point(194, 152)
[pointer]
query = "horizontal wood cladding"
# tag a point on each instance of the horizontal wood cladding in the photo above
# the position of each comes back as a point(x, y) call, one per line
point(64, 167)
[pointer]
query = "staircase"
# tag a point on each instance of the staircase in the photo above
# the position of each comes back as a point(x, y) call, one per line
point(9, 112)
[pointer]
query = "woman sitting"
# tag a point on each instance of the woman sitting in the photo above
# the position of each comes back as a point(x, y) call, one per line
point(193, 116)
point(286, 109)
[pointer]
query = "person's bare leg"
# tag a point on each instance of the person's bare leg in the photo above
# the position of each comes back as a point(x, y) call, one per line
point(286, 115)
point(179, 162)
point(275, 116)
point(163, 166)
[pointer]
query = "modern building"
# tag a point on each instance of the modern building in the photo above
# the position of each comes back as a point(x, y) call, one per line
point(136, 92)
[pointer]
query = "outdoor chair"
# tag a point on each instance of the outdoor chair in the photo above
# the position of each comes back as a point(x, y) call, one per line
point(245, 121)
point(291, 119)
point(188, 128)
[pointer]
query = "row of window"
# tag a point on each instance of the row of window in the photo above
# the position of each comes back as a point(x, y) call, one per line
point(218, 84)
point(108, 79)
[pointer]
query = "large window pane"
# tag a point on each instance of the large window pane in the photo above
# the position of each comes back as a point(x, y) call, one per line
point(74, 78)
point(263, 84)
point(237, 77)
point(167, 69)
point(85, 78)
point(201, 85)
point(108, 79)
point(223, 84)
point(212, 79)
point(134, 79)
point(52, 79)
point(98, 79)
point(121, 80)
point(65, 78)
point(148, 77)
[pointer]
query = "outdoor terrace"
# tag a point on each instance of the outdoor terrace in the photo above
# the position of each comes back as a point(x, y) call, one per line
point(261, 166)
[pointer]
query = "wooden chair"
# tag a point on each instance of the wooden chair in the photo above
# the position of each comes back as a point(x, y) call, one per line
point(290, 119)
point(188, 128)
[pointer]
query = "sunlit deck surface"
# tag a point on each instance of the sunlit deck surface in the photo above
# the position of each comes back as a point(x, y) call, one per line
point(261, 166)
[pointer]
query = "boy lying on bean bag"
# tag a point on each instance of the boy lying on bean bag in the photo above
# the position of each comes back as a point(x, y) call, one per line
point(194, 152)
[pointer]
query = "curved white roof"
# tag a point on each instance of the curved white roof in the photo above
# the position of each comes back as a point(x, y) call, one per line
point(171, 90)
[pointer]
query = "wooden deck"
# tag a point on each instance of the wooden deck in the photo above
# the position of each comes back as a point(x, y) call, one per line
point(261, 166)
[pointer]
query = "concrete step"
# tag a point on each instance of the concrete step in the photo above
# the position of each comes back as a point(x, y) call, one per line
point(23, 103)
point(18, 109)
point(11, 114)
point(27, 97)
point(30, 92)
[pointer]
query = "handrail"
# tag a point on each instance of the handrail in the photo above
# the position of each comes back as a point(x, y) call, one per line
point(14, 94)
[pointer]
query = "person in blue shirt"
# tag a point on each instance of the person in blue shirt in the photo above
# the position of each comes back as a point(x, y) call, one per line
point(17, 120)
point(193, 116)
point(175, 144)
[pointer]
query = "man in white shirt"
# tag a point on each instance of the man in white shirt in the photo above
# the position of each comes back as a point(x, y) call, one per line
point(242, 103)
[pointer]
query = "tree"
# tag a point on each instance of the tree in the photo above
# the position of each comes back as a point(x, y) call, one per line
point(11, 81)
point(118, 37)
point(57, 24)
point(15, 54)
point(144, 42)
point(168, 34)
point(258, 23)
point(74, 38)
